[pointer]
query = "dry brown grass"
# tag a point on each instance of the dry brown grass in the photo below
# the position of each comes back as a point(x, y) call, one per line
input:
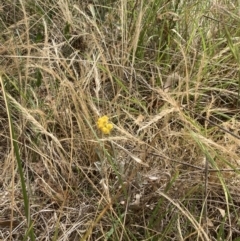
point(167, 77)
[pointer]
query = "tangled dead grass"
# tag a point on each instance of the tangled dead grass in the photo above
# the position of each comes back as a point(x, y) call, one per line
point(167, 78)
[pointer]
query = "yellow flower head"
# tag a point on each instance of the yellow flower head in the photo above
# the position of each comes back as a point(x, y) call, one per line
point(104, 125)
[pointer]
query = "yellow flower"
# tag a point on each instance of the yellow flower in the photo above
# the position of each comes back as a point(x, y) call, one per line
point(104, 125)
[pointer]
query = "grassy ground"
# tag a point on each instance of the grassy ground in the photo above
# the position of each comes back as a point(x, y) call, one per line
point(166, 73)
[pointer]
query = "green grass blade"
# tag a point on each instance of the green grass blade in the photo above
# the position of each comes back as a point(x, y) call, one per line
point(19, 164)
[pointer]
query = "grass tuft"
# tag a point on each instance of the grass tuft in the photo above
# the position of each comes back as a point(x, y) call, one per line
point(123, 119)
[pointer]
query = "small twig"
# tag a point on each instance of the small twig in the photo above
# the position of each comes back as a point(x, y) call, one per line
point(219, 21)
point(223, 129)
point(190, 165)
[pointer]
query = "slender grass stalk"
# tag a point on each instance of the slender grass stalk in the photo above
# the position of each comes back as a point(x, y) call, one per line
point(30, 230)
